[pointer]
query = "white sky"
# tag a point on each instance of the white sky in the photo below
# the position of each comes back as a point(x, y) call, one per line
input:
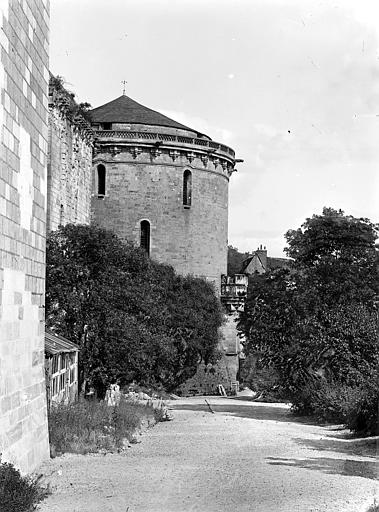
point(291, 85)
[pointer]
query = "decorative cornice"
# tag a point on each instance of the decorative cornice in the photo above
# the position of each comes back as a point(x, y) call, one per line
point(101, 160)
point(155, 152)
point(143, 138)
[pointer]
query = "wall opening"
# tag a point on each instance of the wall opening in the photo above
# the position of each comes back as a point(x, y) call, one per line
point(107, 126)
point(101, 181)
point(145, 236)
point(187, 188)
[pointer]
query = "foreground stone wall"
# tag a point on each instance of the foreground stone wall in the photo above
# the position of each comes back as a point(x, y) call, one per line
point(23, 148)
point(69, 170)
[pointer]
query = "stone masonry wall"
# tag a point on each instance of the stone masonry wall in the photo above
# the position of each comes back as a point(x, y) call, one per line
point(193, 240)
point(225, 371)
point(69, 172)
point(23, 147)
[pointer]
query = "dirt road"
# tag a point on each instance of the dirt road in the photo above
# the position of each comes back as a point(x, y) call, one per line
point(246, 457)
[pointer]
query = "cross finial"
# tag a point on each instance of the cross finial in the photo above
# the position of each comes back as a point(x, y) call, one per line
point(124, 82)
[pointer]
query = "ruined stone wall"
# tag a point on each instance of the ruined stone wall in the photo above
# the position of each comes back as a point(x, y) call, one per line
point(193, 240)
point(69, 171)
point(225, 371)
point(23, 149)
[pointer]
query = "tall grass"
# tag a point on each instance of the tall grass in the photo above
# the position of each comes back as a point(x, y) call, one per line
point(91, 426)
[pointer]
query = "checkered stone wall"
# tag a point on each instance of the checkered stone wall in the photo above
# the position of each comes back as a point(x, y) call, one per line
point(24, 77)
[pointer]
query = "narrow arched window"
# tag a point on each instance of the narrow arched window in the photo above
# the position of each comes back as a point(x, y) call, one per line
point(145, 236)
point(187, 188)
point(100, 180)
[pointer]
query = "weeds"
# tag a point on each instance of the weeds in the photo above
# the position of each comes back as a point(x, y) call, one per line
point(19, 493)
point(91, 426)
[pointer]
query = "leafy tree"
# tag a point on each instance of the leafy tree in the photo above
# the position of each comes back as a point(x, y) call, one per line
point(315, 323)
point(336, 254)
point(134, 319)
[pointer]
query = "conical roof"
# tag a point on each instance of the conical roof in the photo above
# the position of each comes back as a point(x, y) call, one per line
point(126, 110)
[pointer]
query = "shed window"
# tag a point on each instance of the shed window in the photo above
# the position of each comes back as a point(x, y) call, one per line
point(145, 235)
point(187, 188)
point(100, 180)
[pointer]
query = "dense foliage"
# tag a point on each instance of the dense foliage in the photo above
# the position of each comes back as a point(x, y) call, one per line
point(134, 319)
point(315, 323)
point(19, 493)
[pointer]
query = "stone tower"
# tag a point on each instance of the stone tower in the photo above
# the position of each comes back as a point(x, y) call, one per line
point(162, 185)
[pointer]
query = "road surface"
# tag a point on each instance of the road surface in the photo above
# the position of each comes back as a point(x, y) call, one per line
point(245, 457)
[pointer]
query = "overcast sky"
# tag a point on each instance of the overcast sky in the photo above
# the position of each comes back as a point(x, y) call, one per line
point(291, 85)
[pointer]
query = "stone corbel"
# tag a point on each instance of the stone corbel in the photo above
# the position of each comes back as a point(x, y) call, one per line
point(135, 151)
point(216, 161)
point(204, 159)
point(155, 152)
point(224, 164)
point(174, 154)
point(231, 170)
point(114, 150)
point(190, 156)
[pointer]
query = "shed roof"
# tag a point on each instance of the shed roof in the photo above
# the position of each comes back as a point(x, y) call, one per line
point(55, 344)
point(126, 110)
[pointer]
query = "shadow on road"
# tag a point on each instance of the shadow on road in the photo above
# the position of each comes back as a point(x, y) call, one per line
point(345, 467)
point(343, 443)
point(255, 411)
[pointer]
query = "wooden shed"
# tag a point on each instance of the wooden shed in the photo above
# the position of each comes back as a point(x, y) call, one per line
point(61, 367)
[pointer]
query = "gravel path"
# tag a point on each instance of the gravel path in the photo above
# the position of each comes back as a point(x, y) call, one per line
point(246, 457)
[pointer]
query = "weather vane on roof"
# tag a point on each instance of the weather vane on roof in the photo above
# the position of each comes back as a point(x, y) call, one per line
point(124, 82)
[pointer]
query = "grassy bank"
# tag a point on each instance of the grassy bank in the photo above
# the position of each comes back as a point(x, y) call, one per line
point(92, 426)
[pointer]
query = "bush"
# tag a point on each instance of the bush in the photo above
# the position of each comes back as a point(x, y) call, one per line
point(328, 402)
point(91, 426)
point(362, 416)
point(18, 493)
point(354, 406)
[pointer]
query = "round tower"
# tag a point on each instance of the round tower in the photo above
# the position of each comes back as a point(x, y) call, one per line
point(163, 186)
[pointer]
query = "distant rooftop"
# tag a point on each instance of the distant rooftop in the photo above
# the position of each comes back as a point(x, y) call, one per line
point(126, 110)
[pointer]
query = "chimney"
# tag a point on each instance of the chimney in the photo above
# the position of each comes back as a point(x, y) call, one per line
point(262, 253)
